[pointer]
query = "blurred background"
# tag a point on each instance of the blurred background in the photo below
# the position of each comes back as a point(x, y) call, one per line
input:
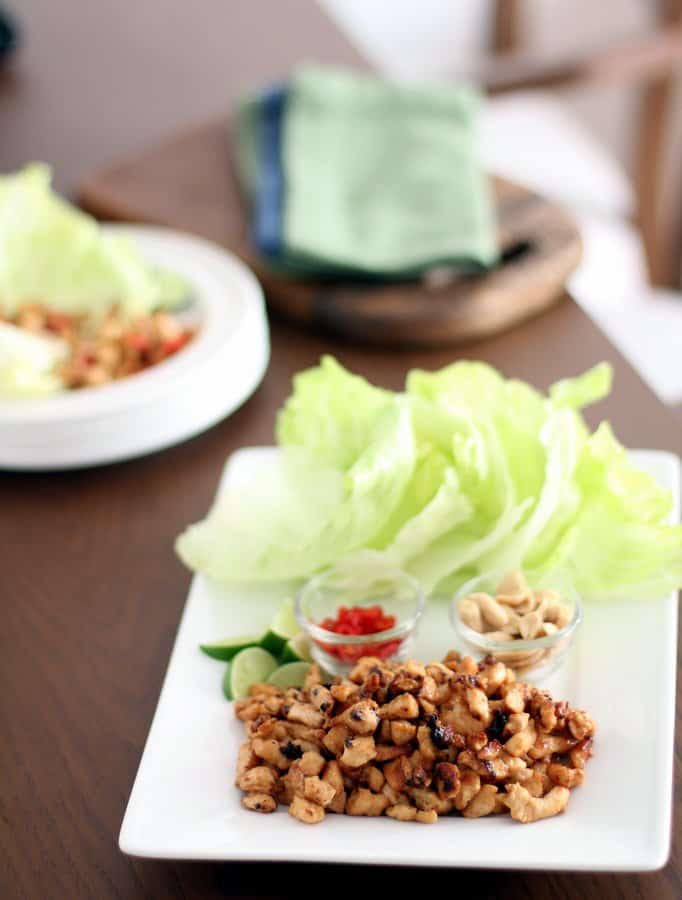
point(584, 108)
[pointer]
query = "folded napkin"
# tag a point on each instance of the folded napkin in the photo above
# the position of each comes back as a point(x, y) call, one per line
point(351, 175)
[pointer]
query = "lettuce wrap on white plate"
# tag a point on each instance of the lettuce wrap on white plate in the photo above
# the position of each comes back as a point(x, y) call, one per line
point(59, 257)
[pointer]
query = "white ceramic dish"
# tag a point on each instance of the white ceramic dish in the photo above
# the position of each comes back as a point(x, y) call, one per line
point(167, 403)
point(622, 669)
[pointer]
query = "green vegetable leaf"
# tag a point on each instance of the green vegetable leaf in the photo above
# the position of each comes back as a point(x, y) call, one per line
point(54, 253)
point(464, 472)
point(302, 513)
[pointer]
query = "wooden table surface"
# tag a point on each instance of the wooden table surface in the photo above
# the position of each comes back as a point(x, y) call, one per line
point(91, 590)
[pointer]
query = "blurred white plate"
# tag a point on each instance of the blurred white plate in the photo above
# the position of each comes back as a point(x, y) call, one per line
point(170, 402)
point(622, 669)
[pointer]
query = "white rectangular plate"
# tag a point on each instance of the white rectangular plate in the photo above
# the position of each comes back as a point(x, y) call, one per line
point(622, 669)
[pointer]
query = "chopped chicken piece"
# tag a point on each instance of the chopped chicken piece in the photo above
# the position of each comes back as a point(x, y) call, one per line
point(565, 777)
point(402, 812)
point(426, 800)
point(373, 777)
point(401, 732)
point(361, 717)
point(335, 739)
point(318, 791)
point(404, 706)
point(520, 743)
point(322, 698)
point(358, 751)
point(364, 667)
point(259, 802)
point(311, 763)
point(268, 749)
point(363, 802)
point(260, 780)
point(426, 817)
point(344, 691)
point(470, 784)
point(246, 759)
point(580, 724)
point(306, 811)
point(447, 780)
point(306, 714)
point(483, 803)
point(525, 808)
point(387, 751)
point(397, 773)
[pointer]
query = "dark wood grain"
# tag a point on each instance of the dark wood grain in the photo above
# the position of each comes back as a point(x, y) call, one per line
point(187, 182)
point(91, 591)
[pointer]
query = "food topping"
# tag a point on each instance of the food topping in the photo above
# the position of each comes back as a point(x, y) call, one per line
point(358, 620)
point(412, 742)
point(516, 613)
point(104, 350)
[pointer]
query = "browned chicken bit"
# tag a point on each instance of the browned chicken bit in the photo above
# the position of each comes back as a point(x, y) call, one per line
point(412, 742)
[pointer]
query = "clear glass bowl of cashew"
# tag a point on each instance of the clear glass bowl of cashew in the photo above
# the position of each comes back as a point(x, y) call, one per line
point(527, 620)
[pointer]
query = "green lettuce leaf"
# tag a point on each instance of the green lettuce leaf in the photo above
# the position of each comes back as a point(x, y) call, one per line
point(462, 473)
point(618, 542)
point(55, 254)
point(304, 512)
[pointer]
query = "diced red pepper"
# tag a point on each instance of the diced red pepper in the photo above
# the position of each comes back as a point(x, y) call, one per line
point(360, 620)
point(172, 345)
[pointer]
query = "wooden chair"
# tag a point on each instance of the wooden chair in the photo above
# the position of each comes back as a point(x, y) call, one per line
point(650, 63)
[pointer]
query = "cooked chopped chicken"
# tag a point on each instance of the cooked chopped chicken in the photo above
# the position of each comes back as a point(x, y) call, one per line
point(305, 810)
point(403, 812)
point(318, 791)
point(306, 714)
point(362, 802)
point(402, 732)
point(358, 751)
point(260, 779)
point(311, 763)
point(361, 717)
point(412, 742)
point(482, 804)
point(402, 707)
point(525, 808)
point(259, 803)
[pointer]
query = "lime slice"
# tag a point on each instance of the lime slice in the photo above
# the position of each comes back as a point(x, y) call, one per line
point(227, 687)
point(247, 667)
point(290, 675)
point(231, 646)
point(297, 649)
point(283, 627)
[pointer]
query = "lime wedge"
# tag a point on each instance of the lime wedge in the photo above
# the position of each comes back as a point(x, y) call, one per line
point(290, 675)
point(231, 646)
point(227, 687)
point(247, 667)
point(297, 649)
point(282, 628)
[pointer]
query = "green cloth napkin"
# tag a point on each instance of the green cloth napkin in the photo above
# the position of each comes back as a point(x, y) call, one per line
point(380, 179)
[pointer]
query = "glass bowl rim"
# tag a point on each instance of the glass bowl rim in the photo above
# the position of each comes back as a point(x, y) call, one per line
point(517, 646)
point(401, 629)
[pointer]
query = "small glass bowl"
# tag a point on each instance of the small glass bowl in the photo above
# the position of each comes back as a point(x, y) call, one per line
point(396, 592)
point(538, 657)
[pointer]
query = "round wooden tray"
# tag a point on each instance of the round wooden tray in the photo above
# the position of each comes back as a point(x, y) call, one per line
point(540, 244)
